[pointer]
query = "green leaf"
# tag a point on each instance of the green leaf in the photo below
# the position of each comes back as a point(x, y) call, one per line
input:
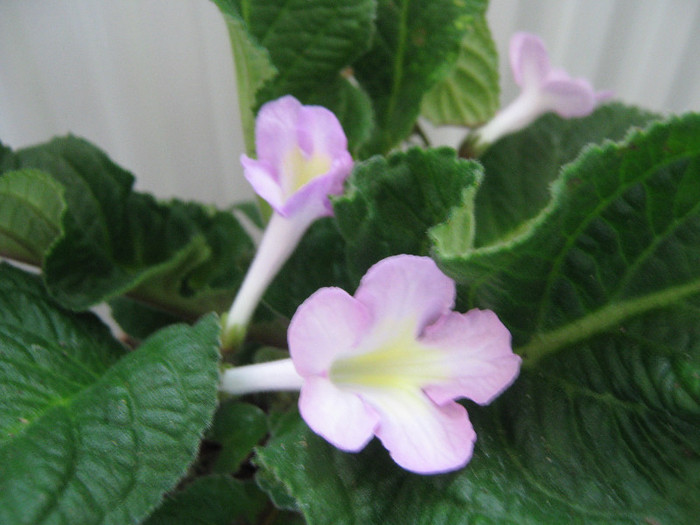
point(520, 168)
point(469, 94)
point(31, 205)
point(390, 203)
point(601, 293)
point(181, 256)
point(602, 428)
point(237, 427)
point(308, 43)
point(253, 67)
point(89, 434)
point(212, 500)
point(416, 43)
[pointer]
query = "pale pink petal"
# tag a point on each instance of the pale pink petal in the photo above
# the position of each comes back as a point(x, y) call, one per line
point(568, 98)
point(406, 291)
point(276, 130)
point(477, 350)
point(327, 324)
point(528, 60)
point(320, 131)
point(263, 178)
point(341, 418)
point(602, 96)
point(421, 436)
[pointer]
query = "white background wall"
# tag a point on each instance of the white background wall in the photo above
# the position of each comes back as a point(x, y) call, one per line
point(151, 81)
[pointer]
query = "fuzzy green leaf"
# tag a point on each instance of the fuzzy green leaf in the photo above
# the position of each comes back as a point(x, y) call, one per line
point(391, 203)
point(89, 433)
point(520, 168)
point(184, 257)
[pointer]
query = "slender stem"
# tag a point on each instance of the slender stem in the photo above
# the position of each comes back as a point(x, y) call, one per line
point(279, 241)
point(263, 377)
point(518, 114)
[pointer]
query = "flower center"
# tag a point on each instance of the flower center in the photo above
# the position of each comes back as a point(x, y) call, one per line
point(300, 169)
point(399, 362)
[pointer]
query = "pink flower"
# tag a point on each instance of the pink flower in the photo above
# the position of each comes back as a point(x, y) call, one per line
point(302, 159)
point(390, 362)
point(544, 89)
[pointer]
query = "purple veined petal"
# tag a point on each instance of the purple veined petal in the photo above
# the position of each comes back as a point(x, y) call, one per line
point(263, 178)
point(327, 324)
point(476, 347)
point(276, 131)
point(421, 436)
point(406, 291)
point(528, 60)
point(342, 418)
point(568, 98)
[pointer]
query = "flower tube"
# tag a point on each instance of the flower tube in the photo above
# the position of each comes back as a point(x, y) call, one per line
point(390, 362)
point(302, 158)
point(544, 89)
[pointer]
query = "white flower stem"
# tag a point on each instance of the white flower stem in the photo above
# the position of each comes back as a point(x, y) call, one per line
point(279, 241)
point(518, 114)
point(263, 377)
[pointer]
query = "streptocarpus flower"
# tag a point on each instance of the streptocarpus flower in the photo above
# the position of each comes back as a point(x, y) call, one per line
point(544, 89)
point(302, 159)
point(390, 362)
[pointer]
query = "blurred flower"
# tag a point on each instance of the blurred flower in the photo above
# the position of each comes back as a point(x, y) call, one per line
point(544, 89)
point(302, 159)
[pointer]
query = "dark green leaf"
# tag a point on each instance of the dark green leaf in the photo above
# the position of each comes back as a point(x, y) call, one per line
point(416, 43)
point(497, 487)
point(520, 168)
point(213, 500)
point(391, 203)
point(184, 257)
point(88, 434)
point(601, 293)
point(308, 43)
point(237, 428)
point(469, 94)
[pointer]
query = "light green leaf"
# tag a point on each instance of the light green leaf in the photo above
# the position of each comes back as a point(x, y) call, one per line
point(469, 94)
point(31, 205)
point(253, 67)
point(89, 434)
point(390, 203)
point(520, 168)
point(416, 43)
